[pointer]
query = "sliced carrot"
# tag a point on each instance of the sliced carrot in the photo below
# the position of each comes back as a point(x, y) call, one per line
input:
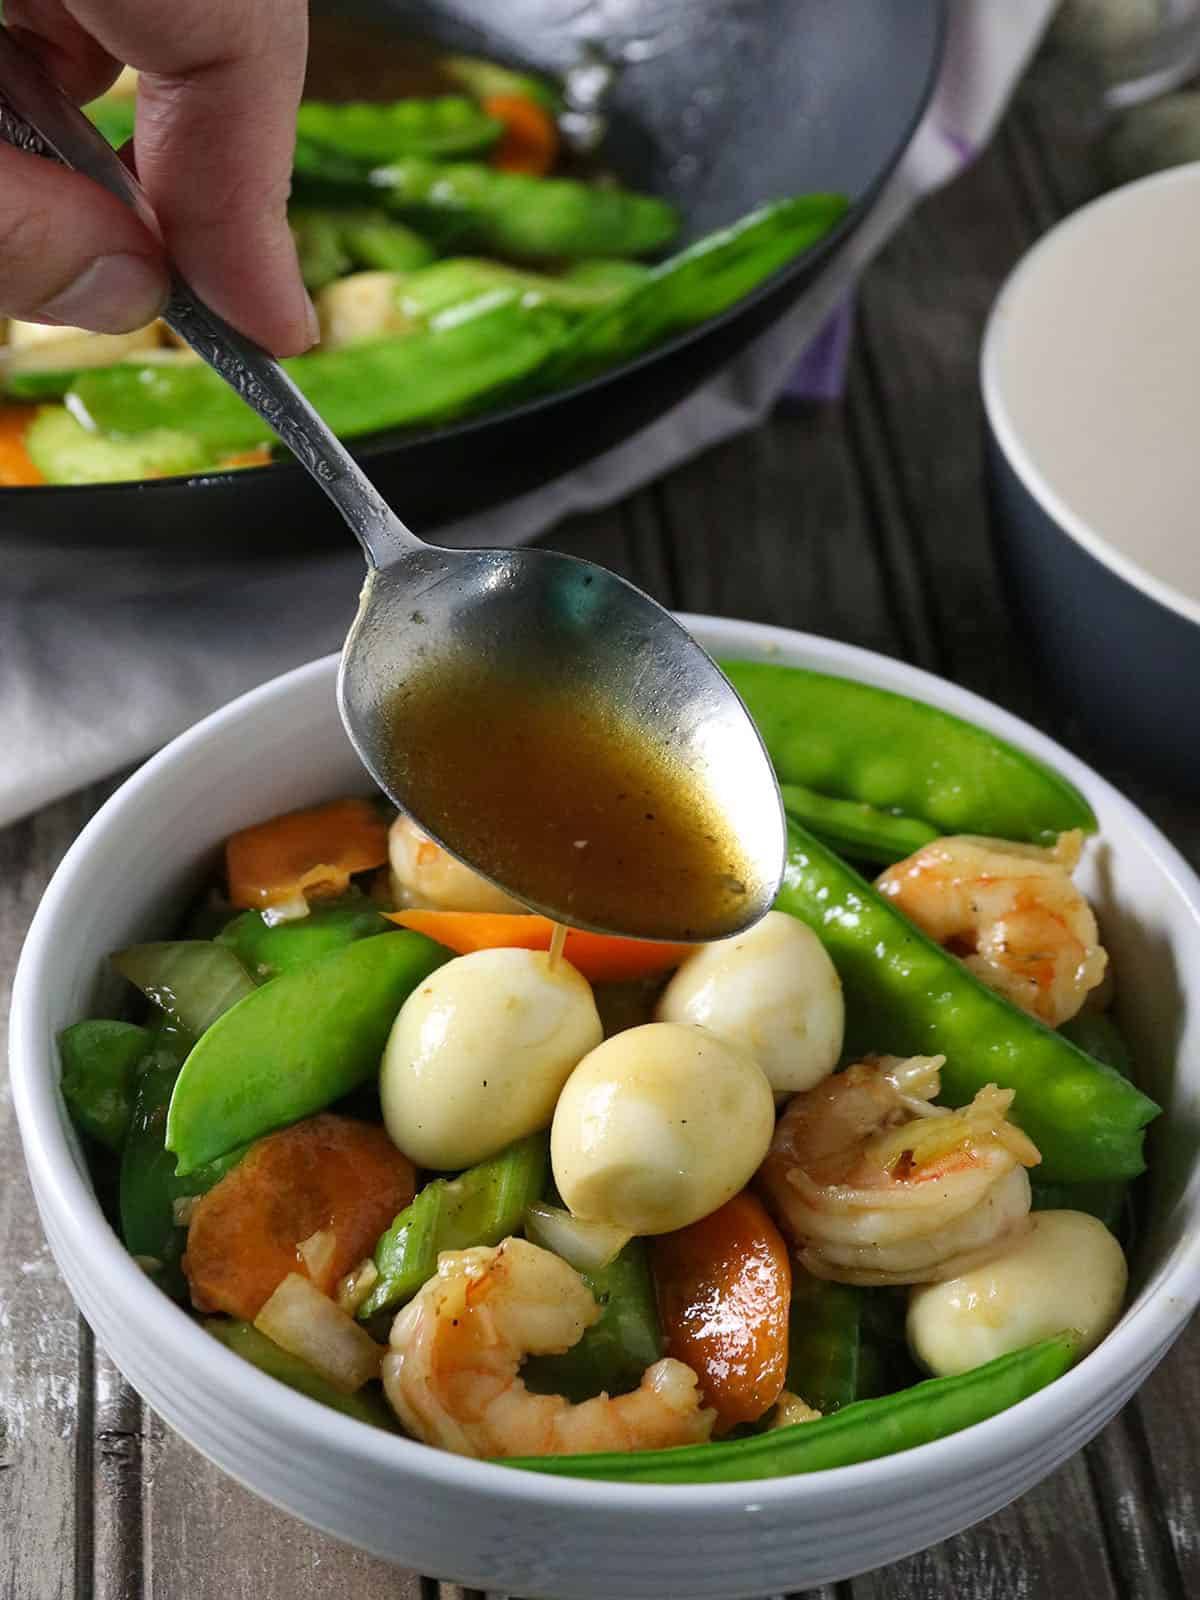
point(724, 1285)
point(601, 957)
point(16, 469)
point(529, 142)
point(326, 1175)
point(260, 456)
point(304, 853)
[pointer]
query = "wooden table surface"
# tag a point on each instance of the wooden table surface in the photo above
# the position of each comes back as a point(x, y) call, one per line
point(865, 521)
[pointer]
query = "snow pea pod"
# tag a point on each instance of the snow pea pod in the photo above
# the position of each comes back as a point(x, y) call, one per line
point(854, 828)
point(860, 1432)
point(699, 282)
point(861, 743)
point(450, 286)
point(423, 376)
point(616, 1350)
point(99, 1059)
point(295, 1045)
point(1096, 1034)
point(907, 996)
point(530, 218)
point(482, 1206)
point(374, 240)
point(266, 951)
point(370, 133)
point(113, 114)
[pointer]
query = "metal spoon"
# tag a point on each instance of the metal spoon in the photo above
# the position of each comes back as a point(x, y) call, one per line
point(532, 621)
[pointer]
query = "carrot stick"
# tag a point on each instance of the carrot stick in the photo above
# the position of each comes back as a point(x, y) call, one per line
point(328, 1183)
point(304, 853)
point(16, 468)
point(260, 456)
point(724, 1285)
point(530, 139)
point(601, 957)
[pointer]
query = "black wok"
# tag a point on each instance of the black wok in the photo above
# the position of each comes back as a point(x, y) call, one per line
point(718, 104)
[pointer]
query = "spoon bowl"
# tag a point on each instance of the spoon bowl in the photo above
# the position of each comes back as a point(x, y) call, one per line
point(545, 721)
point(553, 727)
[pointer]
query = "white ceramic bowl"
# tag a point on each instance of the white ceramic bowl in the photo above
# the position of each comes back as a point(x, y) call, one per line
point(490, 1526)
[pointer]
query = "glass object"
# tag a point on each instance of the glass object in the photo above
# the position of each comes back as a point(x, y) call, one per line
point(1139, 48)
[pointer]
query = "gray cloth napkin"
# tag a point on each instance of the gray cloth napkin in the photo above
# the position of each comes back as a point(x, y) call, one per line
point(88, 685)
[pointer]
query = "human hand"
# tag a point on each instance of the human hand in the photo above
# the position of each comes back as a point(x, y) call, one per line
point(216, 117)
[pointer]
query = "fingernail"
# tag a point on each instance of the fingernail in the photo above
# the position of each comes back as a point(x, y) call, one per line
point(314, 324)
point(113, 294)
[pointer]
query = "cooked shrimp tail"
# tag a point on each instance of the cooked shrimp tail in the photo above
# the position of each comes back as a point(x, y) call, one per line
point(1011, 912)
point(875, 1185)
point(452, 1372)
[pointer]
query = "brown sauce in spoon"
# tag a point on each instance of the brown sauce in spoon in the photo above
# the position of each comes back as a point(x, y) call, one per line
point(541, 787)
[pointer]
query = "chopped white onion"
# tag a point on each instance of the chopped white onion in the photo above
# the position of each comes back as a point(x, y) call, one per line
point(354, 1288)
point(306, 1323)
point(586, 1246)
point(317, 1253)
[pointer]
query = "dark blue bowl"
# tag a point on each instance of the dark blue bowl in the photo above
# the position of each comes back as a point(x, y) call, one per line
point(1074, 383)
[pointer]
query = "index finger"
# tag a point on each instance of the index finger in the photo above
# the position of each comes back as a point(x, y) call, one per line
point(219, 84)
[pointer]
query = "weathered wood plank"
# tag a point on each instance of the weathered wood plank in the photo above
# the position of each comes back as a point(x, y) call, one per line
point(924, 304)
point(207, 1538)
point(773, 527)
point(41, 1449)
point(1164, 1443)
point(1047, 1544)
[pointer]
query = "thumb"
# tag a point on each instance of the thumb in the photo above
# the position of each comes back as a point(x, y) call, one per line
point(72, 253)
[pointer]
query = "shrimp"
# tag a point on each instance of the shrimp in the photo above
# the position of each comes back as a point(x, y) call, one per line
point(1011, 912)
point(423, 875)
point(451, 1371)
point(874, 1185)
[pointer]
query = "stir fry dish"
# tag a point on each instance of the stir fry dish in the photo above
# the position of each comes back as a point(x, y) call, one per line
point(826, 1190)
point(454, 267)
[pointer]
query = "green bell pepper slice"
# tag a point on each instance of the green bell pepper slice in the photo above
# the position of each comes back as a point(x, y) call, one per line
point(863, 1431)
point(294, 1045)
point(858, 742)
point(616, 1350)
point(906, 996)
point(423, 376)
point(99, 1062)
point(483, 1205)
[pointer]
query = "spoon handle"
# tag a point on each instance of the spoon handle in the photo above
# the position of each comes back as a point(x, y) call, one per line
point(37, 117)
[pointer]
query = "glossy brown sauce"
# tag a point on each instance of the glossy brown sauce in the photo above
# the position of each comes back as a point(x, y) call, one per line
point(538, 786)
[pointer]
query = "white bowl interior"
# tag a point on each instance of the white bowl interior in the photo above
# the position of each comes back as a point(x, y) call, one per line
point(128, 876)
point(1089, 376)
